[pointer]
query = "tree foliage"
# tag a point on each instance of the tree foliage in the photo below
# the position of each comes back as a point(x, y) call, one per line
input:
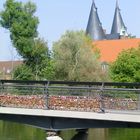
point(23, 72)
point(127, 66)
point(39, 56)
point(48, 73)
point(19, 19)
point(75, 58)
point(38, 61)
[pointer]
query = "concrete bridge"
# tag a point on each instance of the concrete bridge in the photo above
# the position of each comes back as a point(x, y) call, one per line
point(57, 120)
point(90, 105)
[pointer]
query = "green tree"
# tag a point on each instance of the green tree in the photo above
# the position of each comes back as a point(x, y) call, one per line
point(75, 58)
point(39, 58)
point(23, 72)
point(19, 19)
point(127, 66)
point(48, 73)
point(38, 62)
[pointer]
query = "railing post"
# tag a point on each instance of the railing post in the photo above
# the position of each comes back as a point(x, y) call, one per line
point(2, 87)
point(102, 106)
point(138, 104)
point(46, 93)
point(1, 90)
point(89, 94)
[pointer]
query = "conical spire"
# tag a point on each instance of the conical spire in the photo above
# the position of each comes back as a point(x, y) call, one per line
point(94, 27)
point(118, 25)
point(117, 3)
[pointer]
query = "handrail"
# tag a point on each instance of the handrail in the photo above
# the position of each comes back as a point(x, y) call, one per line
point(67, 95)
point(71, 83)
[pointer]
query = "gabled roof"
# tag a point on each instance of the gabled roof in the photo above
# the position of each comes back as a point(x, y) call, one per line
point(94, 27)
point(110, 49)
point(118, 25)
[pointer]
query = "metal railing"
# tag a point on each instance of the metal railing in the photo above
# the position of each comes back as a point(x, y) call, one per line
point(76, 96)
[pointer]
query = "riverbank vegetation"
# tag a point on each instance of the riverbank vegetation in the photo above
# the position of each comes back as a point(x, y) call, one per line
point(72, 58)
point(127, 66)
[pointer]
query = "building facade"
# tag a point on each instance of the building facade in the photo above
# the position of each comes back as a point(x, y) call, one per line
point(6, 68)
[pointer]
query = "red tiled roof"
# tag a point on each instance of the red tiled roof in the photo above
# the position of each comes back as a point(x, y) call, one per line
point(109, 49)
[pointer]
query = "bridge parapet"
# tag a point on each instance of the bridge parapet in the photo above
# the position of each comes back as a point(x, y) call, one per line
point(76, 96)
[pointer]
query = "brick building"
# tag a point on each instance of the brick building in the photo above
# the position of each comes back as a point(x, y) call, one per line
point(6, 68)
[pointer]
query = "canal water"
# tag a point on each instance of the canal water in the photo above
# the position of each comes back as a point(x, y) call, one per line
point(14, 131)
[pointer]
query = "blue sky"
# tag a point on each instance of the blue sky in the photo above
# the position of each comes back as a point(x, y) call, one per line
point(58, 16)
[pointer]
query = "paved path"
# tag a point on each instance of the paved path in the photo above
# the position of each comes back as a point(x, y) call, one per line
point(114, 116)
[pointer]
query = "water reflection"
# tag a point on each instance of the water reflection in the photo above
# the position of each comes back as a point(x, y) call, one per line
point(91, 134)
point(53, 135)
point(14, 131)
point(54, 138)
point(98, 134)
point(80, 136)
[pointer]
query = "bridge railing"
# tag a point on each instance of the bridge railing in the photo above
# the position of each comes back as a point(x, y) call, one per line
point(76, 96)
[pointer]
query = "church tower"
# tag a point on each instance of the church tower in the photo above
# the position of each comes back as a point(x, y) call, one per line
point(94, 27)
point(118, 26)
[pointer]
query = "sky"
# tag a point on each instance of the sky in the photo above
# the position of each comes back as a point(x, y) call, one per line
point(58, 16)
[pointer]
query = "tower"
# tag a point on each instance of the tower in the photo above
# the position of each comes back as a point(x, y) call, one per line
point(94, 27)
point(118, 26)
